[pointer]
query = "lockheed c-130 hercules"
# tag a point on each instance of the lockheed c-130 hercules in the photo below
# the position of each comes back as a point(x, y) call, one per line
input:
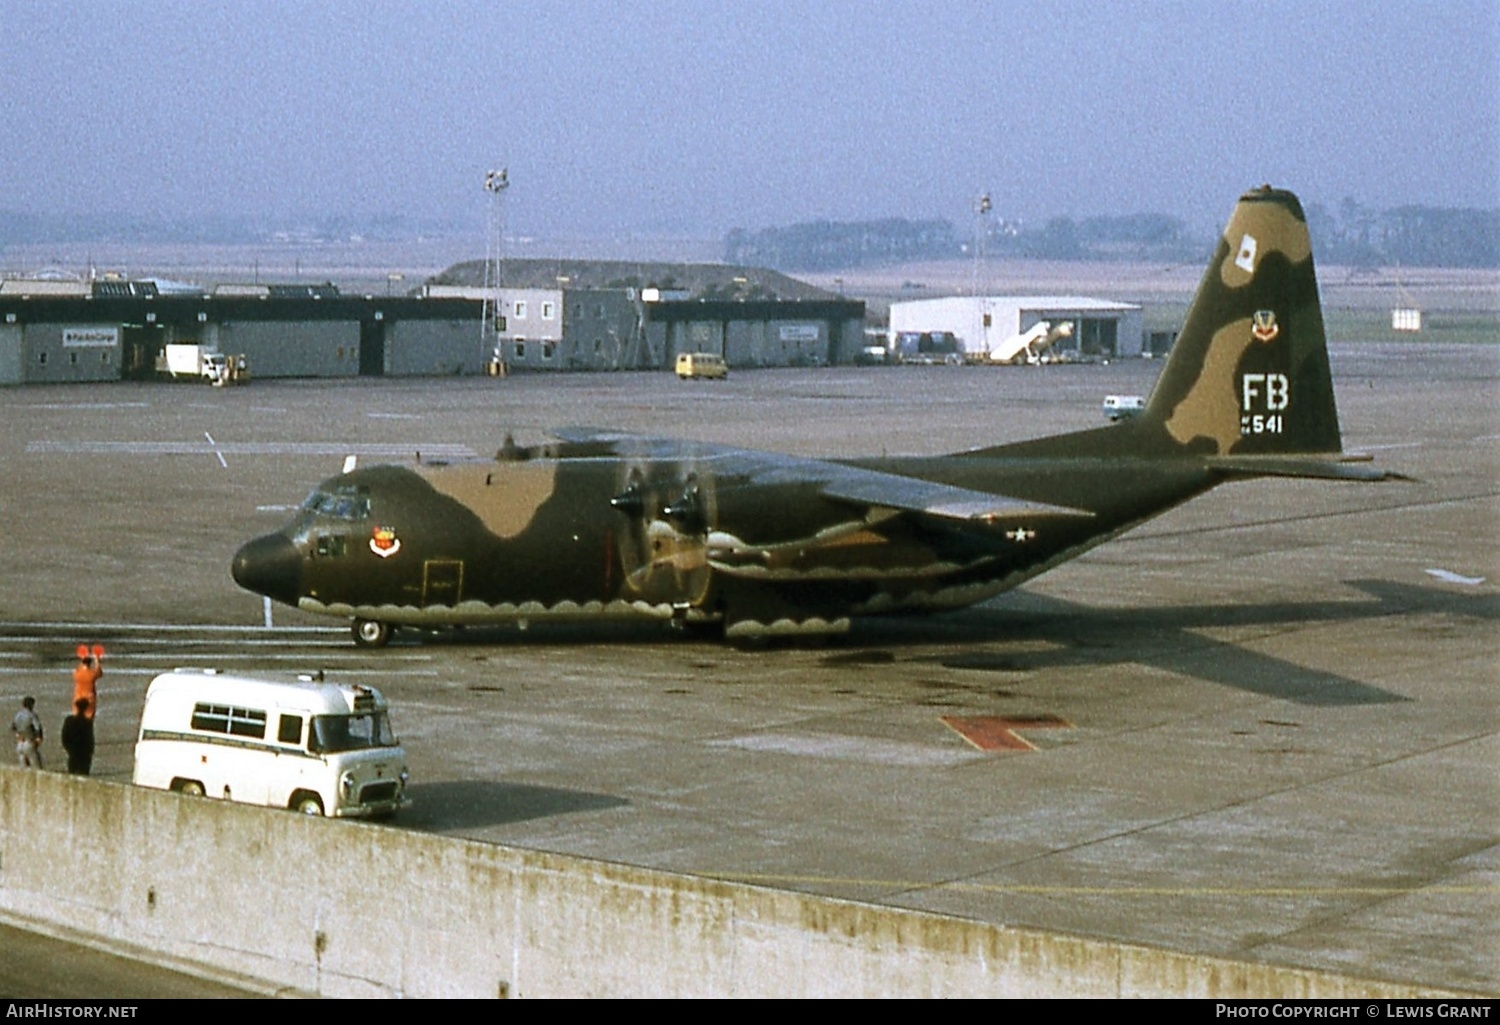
point(606, 524)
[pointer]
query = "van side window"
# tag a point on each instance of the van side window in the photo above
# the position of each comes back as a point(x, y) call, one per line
point(289, 729)
point(238, 722)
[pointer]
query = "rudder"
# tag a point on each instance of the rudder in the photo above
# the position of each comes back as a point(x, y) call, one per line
point(1249, 372)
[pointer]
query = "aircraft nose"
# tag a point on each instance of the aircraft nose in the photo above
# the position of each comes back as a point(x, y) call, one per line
point(271, 566)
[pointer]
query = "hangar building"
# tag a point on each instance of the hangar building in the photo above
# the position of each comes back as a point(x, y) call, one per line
point(110, 330)
point(985, 323)
point(563, 319)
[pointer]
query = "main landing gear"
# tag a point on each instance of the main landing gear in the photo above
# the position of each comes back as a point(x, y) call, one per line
point(371, 633)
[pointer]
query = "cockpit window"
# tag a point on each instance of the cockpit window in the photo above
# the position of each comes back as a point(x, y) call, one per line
point(339, 505)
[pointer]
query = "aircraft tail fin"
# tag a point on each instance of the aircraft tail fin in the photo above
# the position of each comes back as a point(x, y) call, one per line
point(1249, 375)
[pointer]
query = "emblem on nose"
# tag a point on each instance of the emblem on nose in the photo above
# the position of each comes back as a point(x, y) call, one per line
point(384, 542)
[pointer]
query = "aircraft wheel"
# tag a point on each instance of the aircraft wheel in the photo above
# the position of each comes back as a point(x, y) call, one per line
point(370, 633)
point(307, 805)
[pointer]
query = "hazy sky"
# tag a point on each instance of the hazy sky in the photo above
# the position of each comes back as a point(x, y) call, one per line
point(662, 117)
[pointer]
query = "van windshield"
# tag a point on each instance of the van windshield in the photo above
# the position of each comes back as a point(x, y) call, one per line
point(333, 733)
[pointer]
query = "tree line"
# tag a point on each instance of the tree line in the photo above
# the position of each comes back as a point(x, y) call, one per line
point(1414, 236)
point(1411, 236)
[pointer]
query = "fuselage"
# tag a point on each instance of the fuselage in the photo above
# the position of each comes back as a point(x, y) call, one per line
point(588, 536)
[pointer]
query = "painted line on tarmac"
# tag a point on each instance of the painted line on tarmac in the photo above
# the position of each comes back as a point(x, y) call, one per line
point(1024, 889)
point(74, 406)
point(319, 449)
point(216, 449)
point(200, 653)
point(86, 627)
point(304, 654)
point(146, 642)
point(167, 665)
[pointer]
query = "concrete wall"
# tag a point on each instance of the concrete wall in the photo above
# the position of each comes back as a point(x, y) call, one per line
point(342, 908)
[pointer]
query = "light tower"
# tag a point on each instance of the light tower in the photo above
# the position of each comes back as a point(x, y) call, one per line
point(495, 184)
point(982, 207)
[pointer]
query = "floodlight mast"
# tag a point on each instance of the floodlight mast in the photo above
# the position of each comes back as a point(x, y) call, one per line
point(982, 207)
point(495, 184)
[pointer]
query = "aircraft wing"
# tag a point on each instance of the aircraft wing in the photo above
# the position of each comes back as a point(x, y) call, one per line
point(908, 494)
point(870, 490)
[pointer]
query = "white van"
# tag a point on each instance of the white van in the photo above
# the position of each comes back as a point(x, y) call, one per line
point(315, 747)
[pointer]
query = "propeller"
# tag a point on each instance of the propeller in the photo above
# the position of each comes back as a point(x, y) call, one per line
point(664, 547)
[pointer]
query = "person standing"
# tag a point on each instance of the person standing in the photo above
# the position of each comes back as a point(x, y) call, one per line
point(86, 678)
point(78, 738)
point(27, 726)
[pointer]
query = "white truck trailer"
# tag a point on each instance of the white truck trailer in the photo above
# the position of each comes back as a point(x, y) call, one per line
point(191, 361)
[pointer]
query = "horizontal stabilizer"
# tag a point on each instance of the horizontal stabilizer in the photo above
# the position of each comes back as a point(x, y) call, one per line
point(1334, 467)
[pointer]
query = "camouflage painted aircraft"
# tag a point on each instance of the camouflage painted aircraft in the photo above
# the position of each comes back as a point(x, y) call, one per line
point(753, 544)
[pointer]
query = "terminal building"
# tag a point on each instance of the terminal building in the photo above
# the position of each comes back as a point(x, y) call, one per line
point(546, 316)
point(983, 324)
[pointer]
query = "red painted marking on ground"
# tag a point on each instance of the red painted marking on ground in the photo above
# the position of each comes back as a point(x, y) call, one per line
point(997, 733)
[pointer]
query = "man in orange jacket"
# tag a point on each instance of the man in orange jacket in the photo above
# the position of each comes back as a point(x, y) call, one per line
point(86, 679)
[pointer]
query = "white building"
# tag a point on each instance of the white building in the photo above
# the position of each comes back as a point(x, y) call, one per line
point(984, 324)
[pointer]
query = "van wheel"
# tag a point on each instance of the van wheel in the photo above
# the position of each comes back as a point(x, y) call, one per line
point(370, 633)
point(306, 805)
point(189, 787)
